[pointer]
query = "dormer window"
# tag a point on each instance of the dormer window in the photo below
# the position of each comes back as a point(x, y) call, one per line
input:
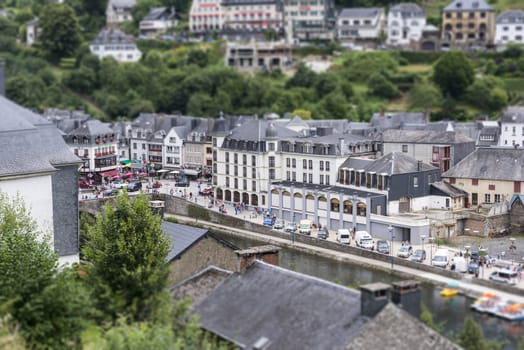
point(459, 5)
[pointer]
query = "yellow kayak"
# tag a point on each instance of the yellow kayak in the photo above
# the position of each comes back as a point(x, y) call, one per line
point(448, 292)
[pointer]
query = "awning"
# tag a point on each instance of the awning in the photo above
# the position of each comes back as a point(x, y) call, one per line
point(163, 171)
point(109, 173)
point(174, 172)
point(191, 172)
point(125, 161)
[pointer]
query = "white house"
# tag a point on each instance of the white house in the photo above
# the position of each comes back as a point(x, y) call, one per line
point(119, 11)
point(173, 146)
point(114, 43)
point(38, 166)
point(366, 23)
point(309, 19)
point(509, 28)
point(512, 127)
point(252, 14)
point(406, 22)
point(158, 20)
point(205, 15)
point(32, 31)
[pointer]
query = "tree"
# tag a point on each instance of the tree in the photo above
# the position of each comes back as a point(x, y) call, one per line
point(302, 113)
point(127, 251)
point(303, 77)
point(424, 94)
point(380, 86)
point(453, 73)
point(471, 336)
point(497, 99)
point(60, 35)
point(427, 318)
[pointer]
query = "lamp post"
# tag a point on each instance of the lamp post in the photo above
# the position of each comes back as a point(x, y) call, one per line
point(390, 229)
point(430, 239)
point(293, 232)
point(423, 237)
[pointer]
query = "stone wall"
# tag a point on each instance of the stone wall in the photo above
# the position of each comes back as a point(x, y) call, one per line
point(517, 217)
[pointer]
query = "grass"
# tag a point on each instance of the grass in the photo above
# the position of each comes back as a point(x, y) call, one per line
point(416, 68)
point(514, 84)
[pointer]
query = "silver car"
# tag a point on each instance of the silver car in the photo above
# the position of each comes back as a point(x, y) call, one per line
point(279, 224)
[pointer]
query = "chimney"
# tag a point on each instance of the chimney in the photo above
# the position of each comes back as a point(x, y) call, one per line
point(373, 297)
point(342, 144)
point(407, 296)
point(266, 253)
point(382, 112)
point(2, 76)
point(426, 115)
point(419, 165)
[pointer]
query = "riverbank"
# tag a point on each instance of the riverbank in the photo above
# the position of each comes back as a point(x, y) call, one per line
point(465, 287)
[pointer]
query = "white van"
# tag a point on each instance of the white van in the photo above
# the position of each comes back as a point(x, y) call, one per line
point(440, 259)
point(460, 264)
point(343, 236)
point(364, 240)
point(305, 227)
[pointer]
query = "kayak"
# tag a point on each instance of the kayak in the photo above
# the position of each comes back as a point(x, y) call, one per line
point(448, 292)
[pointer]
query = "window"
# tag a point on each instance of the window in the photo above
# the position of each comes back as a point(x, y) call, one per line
point(452, 180)
point(327, 179)
point(304, 177)
point(134, 145)
point(143, 146)
point(475, 182)
point(235, 170)
point(253, 186)
point(293, 176)
point(293, 163)
point(516, 186)
point(244, 171)
point(415, 181)
point(288, 162)
point(310, 178)
point(244, 159)
point(327, 166)
point(288, 175)
point(321, 179)
point(491, 187)
point(271, 160)
point(487, 198)
point(235, 158)
point(236, 183)
point(227, 157)
point(272, 174)
point(310, 164)
point(497, 198)
point(474, 199)
point(321, 165)
point(244, 185)
point(254, 173)
point(271, 146)
point(227, 169)
point(448, 15)
point(253, 160)
point(405, 148)
point(227, 181)
point(304, 164)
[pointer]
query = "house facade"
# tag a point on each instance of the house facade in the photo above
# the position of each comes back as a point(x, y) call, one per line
point(509, 28)
point(114, 43)
point(158, 20)
point(306, 20)
point(206, 16)
point(251, 15)
point(512, 127)
point(38, 166)
point(258, 56)
point(173, 145)
point(406, 22)
point(367, 23)
point(119, 11)
point(489, 175)
point(468, 23)
point(440, 149)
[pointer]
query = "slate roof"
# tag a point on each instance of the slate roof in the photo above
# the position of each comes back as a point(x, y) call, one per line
point(29, 144)
point(291, 310)
point(513, 114)
point(112, 36)
point(357, 163)
point(503, 164)
point(160, 13)
point(468, 5)
point(92, 127)
point(329, 188)
point(397, 163)
point(424, 137)
point(511, 16)
point(361, 12)
point(123, 3)
point(448, 189)
point(394, 328)
point(395, 120)
point(250, 2)
point(408, 10)
point(255, 130)
point(184, 237)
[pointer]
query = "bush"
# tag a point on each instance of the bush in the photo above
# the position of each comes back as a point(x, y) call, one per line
point(419, 57)
point(198, 212)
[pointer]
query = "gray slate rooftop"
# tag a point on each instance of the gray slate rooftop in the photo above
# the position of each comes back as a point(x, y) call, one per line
point(424, 137)
point(361, 12)
point(271, 302)
point(511, 17)
point(112, 36)
point(513, 114)
point(468, 5)
point(92, 128)
point(182, 237)
point(408, 10)
point(391, 164)
point(29, 143)
point(448, 189)
point(395, 329)
point(255, 130)
point(158, 13)
point(505, 164)
point(123, 3)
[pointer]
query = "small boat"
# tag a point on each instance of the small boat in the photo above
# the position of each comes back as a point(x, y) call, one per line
point(491, 304)
point(448, 292)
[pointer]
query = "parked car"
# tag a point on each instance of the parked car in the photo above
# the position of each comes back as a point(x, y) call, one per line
point(182, 183)
point(134, 186)
point(269, 220)
point(382, 246)
point(323, 233)
point(473, 267)
point(279, 224)
point(85, 184)
point(119, 184)
point(291, 227)
point(504, 276)
point(405, 251)
point(419, 255)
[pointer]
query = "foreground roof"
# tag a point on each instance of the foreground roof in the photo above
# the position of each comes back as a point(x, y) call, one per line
point(283, 309)
point(504, 164)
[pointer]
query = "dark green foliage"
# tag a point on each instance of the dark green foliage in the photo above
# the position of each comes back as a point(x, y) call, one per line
point(360, 66)
point(487, 94)
point(471, 337)
point(198, 212)
point(379, 85)
point(427, 318)
point(8, 28)
point(453, 73)
point(127, 251)
point(303, 77)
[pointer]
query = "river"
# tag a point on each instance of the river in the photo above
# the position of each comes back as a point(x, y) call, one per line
point(449, 311)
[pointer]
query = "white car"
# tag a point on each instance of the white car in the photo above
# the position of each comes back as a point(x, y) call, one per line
point(279, 224)
point(119, 184)
point(405, 251)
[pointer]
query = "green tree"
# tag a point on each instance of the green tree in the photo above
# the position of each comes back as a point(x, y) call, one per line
point(325, 83)
point(380, 86)
point(471, 336)
point(303, 77)
point(302, 113)
point(427, 318)
point(497, 99)
point(453, 73)
point(60, 31)
point(127, 251)
point(424, 94)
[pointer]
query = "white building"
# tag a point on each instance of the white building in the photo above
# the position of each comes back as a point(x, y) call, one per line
point(205, 16)
point(173, 147)
point(114, 43)
point(119, 11)
point(252, 14)
point(366, 23)
point(512, 127)
point(509, 28)
point(32, 31)
point(307, 20)
point(406, 22)
point(158, 20)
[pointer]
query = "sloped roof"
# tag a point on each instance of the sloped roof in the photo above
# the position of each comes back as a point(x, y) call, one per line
point(291, 310)
point(357, 163)
point(112, 36)
point(408, 10)
point(394, 328)
point(504, 164)
point(424, 136)
point(448, 189)
point(255, 130)
point(468, 5)
point(395, 119)
point(157, 13)
point(29, 144)
point(511, 16)
point(123, 3)
point(513, 114)
point(361, 12)
point(92, 127)
point(516, 197)
point(397, 163)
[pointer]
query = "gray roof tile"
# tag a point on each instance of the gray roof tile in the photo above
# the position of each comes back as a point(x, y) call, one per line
point(182, 237)
point(468, 5)
point(408, 10)
point(112, 36)
point(511, 16)
point(513, 114)
point(361, 12)
point(424, 137)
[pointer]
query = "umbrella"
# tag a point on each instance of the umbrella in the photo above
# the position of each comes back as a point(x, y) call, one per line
point(453, 284)
point(128, 174)
point(142, 174)
point(115, 177)
point(489, 295)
